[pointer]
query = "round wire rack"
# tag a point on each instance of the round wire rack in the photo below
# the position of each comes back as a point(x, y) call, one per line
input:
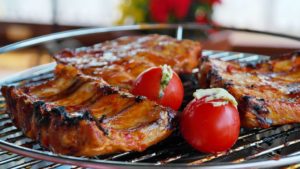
point(275, 146)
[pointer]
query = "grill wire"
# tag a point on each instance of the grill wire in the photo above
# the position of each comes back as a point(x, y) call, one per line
point(270, 143)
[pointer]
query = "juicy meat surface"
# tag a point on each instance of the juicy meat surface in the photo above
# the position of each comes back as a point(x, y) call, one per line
point(79, 115)
point(268, 93)
point(120, 61)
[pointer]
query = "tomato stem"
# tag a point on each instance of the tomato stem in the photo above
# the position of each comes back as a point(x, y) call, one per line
point(216, 96)
point(167, 75)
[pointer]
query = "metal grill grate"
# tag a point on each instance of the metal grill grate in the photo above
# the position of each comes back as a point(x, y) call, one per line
point(256, 147)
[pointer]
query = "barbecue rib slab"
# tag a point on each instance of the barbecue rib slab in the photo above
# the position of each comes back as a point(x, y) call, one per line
point(268, 93)
point(120, 61)
point(79, 115)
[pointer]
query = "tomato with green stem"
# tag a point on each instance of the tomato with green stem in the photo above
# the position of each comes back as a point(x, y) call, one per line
point(210, 123)
point(160, 84)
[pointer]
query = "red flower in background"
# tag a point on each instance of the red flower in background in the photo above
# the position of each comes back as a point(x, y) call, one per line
point(211, 2)
point(162, 10)
point(181, 8)
point(159, 10)
point(167, 11)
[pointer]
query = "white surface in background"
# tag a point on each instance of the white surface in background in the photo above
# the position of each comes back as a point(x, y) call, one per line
point(69, 12)
point(282, 16)
point(272, 15)
point(88, 12)
point(249, 39)
point(6, 73)
point(28, 11)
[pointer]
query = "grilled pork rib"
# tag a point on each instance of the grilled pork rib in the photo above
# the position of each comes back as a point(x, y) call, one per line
point(78, 115)
point(268, 94)
point(120, 61)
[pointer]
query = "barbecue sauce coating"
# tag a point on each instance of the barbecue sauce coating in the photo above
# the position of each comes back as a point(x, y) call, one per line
point(80, 113)
point(267, 93)
point(120, 61)
point(93, 119)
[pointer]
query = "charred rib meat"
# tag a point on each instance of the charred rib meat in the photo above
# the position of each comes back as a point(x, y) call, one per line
point(78, 115)
point(120, 61)
point(268, 94)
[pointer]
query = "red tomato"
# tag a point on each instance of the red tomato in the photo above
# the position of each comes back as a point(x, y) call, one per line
point(208, 128)
point(148, 84)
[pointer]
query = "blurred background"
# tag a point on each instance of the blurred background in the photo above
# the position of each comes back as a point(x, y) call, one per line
point(20, 20)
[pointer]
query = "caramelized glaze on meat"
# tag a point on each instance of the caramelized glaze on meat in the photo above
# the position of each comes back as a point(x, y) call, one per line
point(268, 94)
point(120, 61)
point(78, 115)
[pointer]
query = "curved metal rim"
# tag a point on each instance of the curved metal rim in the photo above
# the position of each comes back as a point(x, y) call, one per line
point(88, 31)
point(103, 163)
point(83, 162)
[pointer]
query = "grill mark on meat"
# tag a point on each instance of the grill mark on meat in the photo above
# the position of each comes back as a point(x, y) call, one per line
point(136, 99)
point(85, 103)
point(214, 78)
point(267, 94)
point(149, 112)
point(172, 124)
point(139, 99)
point(43, 113)
point(99, 123)
point(119, 62)
point(229, 84)
point(71, 121)
point(83, 130)
point(82, 94)
point(11, 102)
point(257, 107)
point(114, 116)
point(99, 94)
point(155, 122)
point(107, 90)
point(293, 88)
point(103, 105)
point(65, 93)
point(208, 78)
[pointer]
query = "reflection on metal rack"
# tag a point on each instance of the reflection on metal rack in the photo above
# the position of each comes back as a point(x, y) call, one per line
point(87, 31)
point(275, 146)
